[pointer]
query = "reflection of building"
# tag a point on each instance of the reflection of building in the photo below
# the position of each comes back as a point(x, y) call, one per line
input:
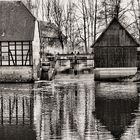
point(19, 43)
point(115, 105)
point(116, 90)
point(51, 38)
point(16, 112)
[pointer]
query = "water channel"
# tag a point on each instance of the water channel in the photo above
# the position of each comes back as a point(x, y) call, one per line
point(70, 108)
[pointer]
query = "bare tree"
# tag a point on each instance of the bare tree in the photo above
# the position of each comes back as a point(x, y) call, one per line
point(86, 20)
point(29, 4)
point(84, 23)
point(58, 19)
point(37, 5)
point(70, 25)
point(136, 12)
point(91, 15)
point(117, 8)
point(48, 10)
point(95, 20)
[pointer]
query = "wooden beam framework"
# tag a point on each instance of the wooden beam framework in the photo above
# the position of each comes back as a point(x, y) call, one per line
point(16, 53)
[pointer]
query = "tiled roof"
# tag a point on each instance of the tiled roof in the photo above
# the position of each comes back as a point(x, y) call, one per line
point(16, 22)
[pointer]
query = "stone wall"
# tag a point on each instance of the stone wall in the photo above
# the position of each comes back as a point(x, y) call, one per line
point(114, 74)
point(16, 74)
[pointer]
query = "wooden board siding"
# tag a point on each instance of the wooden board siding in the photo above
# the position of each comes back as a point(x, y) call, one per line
point(109, 57)
point(115, 47)
point(138, 60)
point(115, 35)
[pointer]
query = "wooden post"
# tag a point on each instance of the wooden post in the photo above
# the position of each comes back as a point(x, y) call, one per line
point(23, 109)
point(15, 54)
point(16, 110)
point(75, 62)
point(1, 109)
point(10, 112)
point(8, 53)
point(31, 110)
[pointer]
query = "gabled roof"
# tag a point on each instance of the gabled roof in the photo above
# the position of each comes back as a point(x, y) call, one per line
point(16, 22)
point(115, 35)
point(49, 30)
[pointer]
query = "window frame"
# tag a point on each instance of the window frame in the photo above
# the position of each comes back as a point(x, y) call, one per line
point(25, 54)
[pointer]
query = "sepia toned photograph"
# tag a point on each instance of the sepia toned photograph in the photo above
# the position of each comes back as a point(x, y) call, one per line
point(69, 69)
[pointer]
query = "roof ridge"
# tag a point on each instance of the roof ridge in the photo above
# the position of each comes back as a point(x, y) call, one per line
point(114, 18)
point(10, 1)
point(20, 2)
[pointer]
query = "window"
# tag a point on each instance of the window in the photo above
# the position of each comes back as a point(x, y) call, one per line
point(16, 53)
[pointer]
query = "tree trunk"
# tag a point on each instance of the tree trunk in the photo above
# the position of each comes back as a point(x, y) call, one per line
point(106, 22)
point(84, 21)
point(139, 17)
point(95, 20)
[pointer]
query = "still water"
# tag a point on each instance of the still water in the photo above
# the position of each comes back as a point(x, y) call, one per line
point(70, 108)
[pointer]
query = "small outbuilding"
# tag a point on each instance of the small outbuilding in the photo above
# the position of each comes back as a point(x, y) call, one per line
point(19, 43)
point(51, 38)
point(115, 53)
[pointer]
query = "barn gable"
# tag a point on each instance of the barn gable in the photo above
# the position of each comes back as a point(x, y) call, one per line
point(16, 22)
point(115, 35)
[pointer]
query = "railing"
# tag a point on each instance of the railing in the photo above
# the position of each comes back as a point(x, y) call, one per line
point(78, 56)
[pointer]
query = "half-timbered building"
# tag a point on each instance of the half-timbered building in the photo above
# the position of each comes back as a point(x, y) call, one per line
point(19, 43)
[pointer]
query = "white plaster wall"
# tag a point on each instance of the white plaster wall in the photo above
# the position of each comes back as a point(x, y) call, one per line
point(36, 52)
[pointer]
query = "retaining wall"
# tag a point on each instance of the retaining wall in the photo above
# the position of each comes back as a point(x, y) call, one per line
point(114, 73)
point(16, 74)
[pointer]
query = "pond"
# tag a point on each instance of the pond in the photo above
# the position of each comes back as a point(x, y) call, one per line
point(70, 108)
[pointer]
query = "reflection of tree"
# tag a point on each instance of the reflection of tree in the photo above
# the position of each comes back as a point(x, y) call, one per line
point(72, 107)
point(86, 110)
point(59, 125)
point(1, 109)
point(16, 109)
point(89, 109)
point(81, 101)
point(61, 111)
point(53, 113)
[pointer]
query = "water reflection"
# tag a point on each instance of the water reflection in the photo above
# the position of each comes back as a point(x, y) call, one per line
point(66, 113)
point(70, 110)
point(16, 112)
point(115, 107)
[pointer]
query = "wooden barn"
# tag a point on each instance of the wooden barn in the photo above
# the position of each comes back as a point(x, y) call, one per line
point(115, 53)
point(19, 43)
